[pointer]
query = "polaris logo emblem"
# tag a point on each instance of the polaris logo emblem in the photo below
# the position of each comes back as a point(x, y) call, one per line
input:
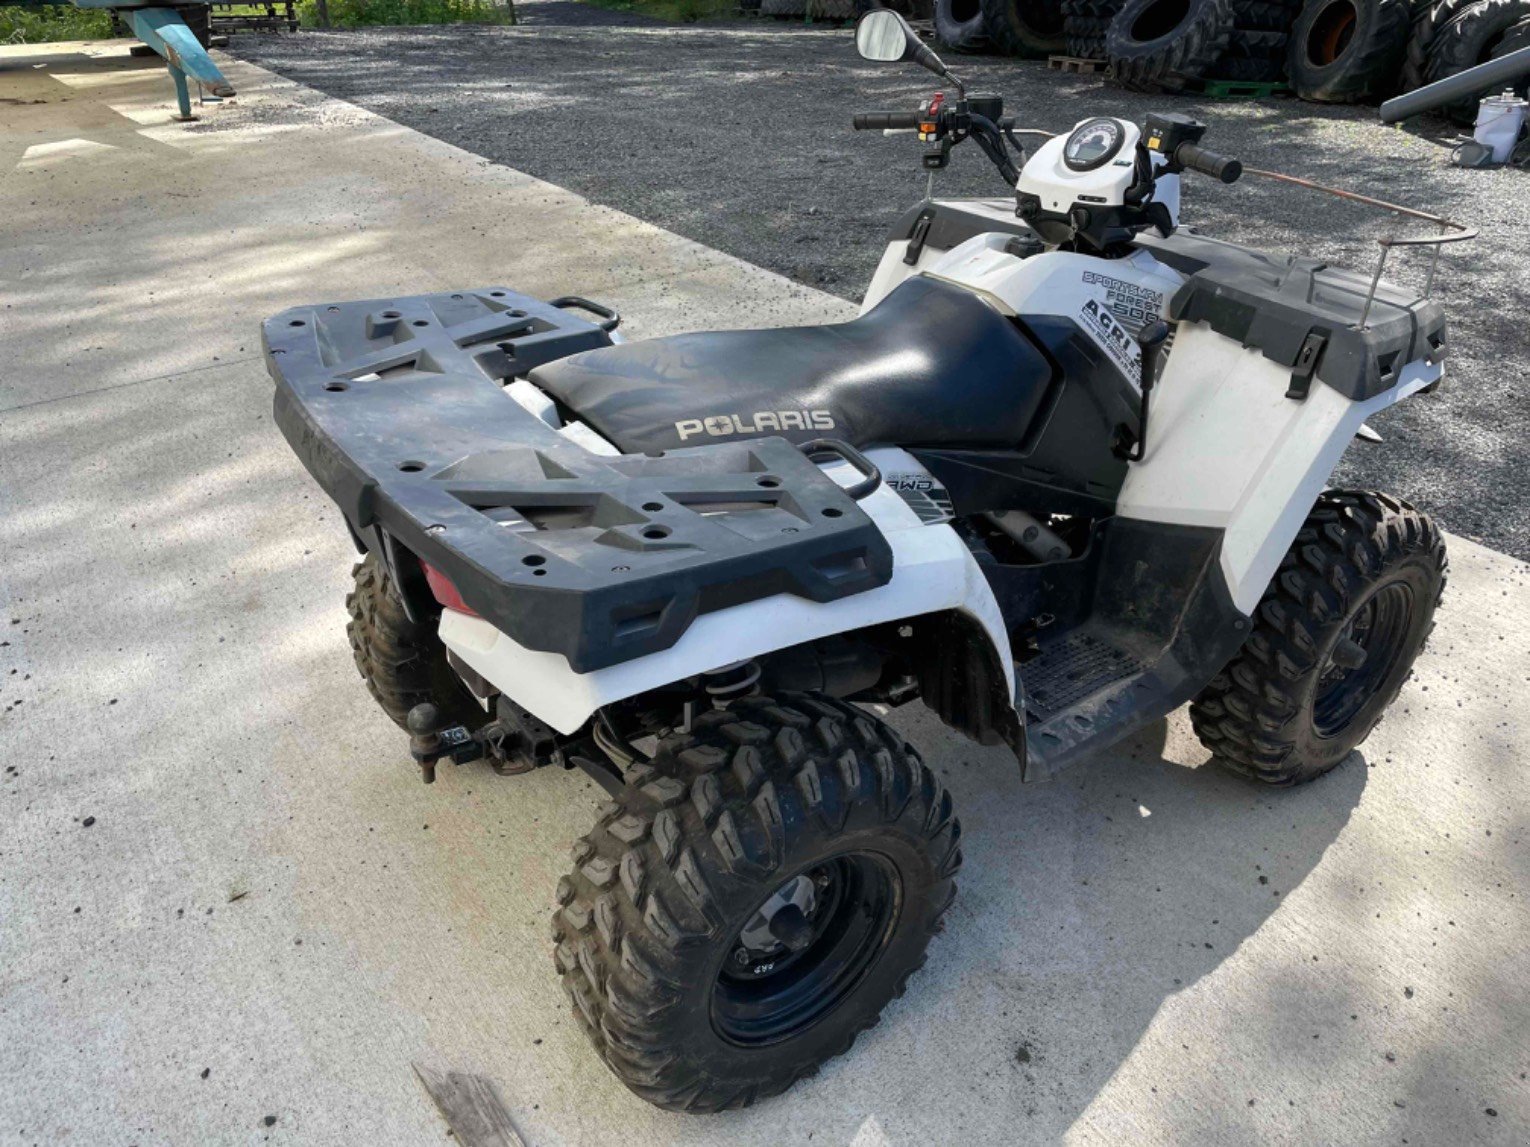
point(760, 422)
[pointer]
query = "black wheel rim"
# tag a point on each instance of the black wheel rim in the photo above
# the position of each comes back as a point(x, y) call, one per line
point(773, 992)
point(1379, 625)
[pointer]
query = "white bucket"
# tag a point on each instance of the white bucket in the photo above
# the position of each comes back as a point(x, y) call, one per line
point(1499, 119)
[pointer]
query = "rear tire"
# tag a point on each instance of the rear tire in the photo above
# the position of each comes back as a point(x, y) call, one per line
point(1365, 568)
point(671, 885)
point(402, 663)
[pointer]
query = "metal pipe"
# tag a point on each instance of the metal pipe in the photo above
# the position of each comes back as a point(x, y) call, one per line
point(1473, 81)
point(1030, 535)
point(1356, 197)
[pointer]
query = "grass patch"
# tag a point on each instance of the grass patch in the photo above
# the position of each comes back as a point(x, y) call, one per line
point(367, 13)
point(673, 11)
point(45, 23)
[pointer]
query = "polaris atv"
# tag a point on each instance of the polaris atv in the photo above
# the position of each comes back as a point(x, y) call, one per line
point(1065, 473)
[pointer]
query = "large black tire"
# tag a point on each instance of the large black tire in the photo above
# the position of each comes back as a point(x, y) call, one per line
point(1084, 25)
point(1252, 56)
point(1030, 29)
point(649, 925)
point(1472, 37)
point(1247, 70)
point(1164, 42)
point(1265, 15)
point(1515, 39)
point(959, 25)
point(1428, 19)
point(402, 663)
point(1366, 569)
point(1343, 51)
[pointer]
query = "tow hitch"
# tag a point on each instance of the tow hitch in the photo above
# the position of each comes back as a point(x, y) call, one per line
point(514, 742)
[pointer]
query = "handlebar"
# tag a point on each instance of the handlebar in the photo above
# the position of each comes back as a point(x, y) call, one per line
point(1214, 164)
point(885, 121)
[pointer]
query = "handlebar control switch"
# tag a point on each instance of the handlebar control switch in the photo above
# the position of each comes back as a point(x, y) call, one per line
point(1165, 131)
point(987, 105)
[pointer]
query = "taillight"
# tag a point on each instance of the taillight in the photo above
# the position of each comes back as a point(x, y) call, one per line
point(445, 592)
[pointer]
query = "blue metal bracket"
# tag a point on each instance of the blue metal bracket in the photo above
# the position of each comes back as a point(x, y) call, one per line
point(164, 31)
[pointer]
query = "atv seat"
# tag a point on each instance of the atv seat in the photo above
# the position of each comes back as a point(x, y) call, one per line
point(931, 364)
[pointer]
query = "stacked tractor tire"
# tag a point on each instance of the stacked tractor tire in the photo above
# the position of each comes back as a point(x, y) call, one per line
point(1331, 51)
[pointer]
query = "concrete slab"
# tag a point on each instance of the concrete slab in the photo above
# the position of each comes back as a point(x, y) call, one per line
point(267, 915)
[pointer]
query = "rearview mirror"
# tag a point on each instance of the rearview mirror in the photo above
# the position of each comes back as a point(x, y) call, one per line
point(881, 35)
point(885, 37)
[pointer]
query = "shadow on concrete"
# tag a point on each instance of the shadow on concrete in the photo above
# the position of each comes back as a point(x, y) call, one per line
point(1086, 904)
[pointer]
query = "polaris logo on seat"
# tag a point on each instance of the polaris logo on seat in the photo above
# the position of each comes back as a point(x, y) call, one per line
point(760, 422)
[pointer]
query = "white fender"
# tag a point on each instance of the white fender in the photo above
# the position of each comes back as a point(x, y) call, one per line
point(1227, 448)
point(933, 571)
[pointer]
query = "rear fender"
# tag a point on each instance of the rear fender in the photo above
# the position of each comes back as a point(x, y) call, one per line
point(933, 572)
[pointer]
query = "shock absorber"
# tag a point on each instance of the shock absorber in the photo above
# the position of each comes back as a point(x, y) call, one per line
point(727, 683)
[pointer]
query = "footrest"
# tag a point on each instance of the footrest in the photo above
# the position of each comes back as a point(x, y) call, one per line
point(1081, 663)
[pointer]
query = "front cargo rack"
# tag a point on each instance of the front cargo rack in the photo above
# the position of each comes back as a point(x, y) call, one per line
point(1448, 230)
point(398, 408)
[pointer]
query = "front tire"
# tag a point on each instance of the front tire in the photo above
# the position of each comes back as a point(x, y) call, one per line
point(1365, 574)
point(753, 899)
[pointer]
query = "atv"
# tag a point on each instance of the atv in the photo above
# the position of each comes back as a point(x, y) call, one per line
point(1064, 473)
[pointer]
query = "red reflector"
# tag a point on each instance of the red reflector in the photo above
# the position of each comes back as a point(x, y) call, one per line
point(445, 592)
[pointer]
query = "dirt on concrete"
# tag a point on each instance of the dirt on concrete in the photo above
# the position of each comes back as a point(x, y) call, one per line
point(738, 136)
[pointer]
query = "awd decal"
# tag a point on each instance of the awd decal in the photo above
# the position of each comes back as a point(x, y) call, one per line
point(925, 496)
point(723, 425)
point(1135, 306)
point(1098, 319)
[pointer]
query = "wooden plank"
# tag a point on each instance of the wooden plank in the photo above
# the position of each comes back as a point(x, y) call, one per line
point(1076, 64)
point(472, 1107)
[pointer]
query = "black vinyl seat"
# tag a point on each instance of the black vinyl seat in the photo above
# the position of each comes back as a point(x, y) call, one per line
point(931, 364)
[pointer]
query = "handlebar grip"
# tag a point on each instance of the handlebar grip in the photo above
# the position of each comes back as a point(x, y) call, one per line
point(1214, 164)
point(885, 121)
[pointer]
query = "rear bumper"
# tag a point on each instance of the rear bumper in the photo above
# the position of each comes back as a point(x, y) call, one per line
point(397, 409)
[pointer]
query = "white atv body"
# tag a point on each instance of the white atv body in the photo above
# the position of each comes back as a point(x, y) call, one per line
point(1064, 473)
point(1244, 434)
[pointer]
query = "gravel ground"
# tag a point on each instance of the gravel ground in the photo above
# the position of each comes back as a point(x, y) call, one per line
point(737, 135)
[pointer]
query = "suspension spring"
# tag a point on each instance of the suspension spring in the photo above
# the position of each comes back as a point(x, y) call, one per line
point(728, 683)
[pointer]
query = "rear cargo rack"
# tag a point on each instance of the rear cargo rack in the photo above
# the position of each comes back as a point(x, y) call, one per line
point(399, 409)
